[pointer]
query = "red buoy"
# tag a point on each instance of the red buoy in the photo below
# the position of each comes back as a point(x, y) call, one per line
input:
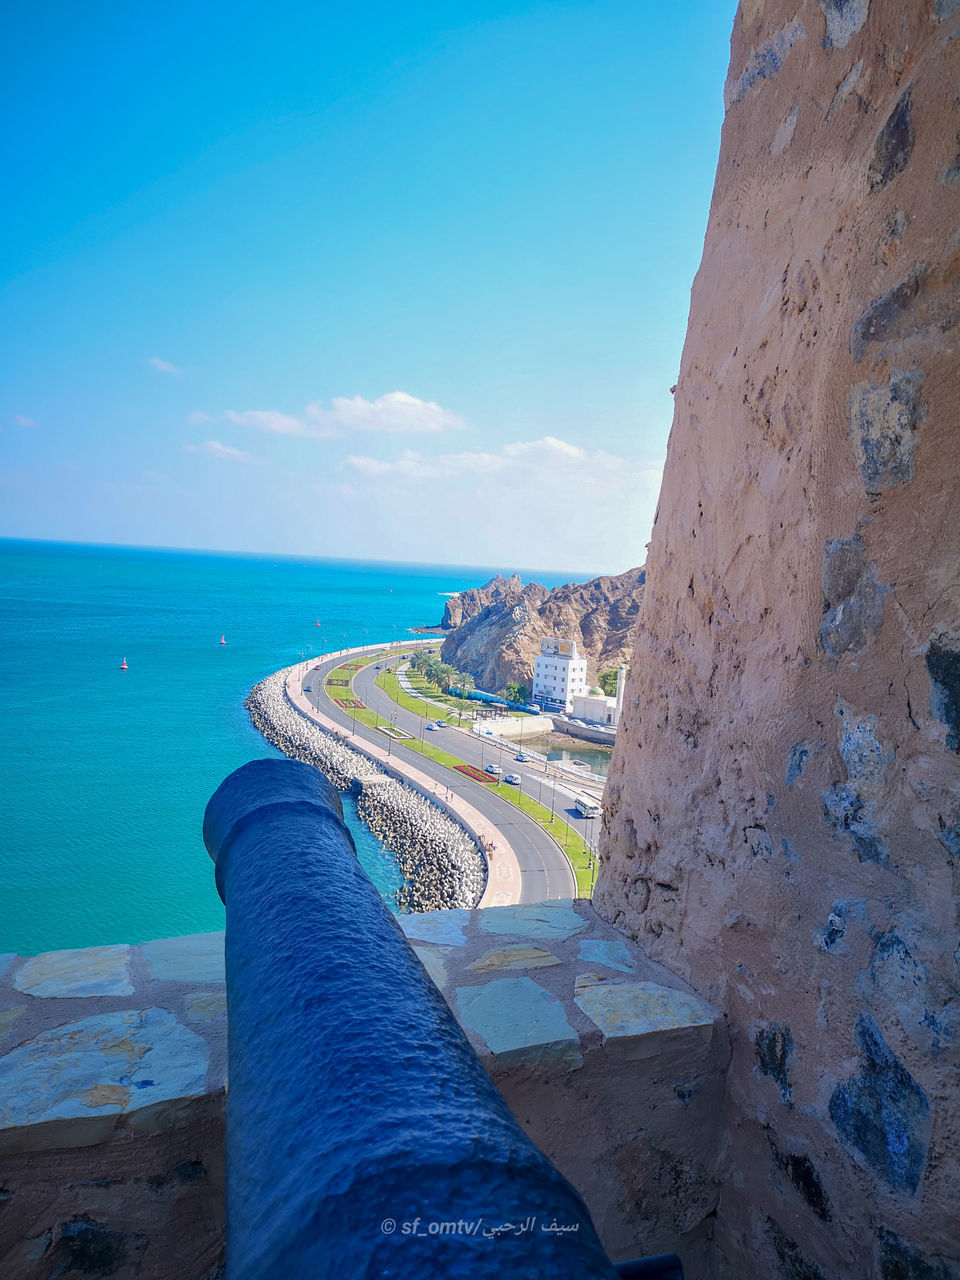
point(223, 639)
point(123, 665)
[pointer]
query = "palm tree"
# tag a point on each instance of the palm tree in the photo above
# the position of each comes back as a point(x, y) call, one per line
point(465, 683)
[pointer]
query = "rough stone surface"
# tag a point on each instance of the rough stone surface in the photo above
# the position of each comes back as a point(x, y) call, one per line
point(782, 814)
point(499, 640)
point(92, 971)
point(195, 957)
point(93, 1071)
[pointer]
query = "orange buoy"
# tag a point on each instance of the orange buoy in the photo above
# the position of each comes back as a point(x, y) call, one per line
point(123, 665)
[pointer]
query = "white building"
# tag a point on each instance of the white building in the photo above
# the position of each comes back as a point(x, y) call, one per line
point(559, 675)
point(599, 708)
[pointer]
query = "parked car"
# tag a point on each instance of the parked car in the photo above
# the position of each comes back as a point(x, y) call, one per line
point(513, 778)
point(494, 769)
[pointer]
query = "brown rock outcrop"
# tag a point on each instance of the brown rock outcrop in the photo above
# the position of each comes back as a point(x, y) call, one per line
point(783, 809)
point(501, 641)
point(467, 604)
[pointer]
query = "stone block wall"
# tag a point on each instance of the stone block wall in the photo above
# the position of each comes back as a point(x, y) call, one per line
point(783, 810)
point(113, 1074)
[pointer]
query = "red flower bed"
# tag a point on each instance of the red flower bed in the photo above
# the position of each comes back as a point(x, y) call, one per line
point(332, 681)
point(476, 774)
point(349, 704)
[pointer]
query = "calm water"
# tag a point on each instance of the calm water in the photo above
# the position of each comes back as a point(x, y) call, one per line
point(598, 758)
point(105, 773)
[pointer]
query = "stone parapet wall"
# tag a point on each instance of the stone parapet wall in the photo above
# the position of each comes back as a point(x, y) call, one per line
point(112, 1076)
point(113, 1067)
point(783, 807)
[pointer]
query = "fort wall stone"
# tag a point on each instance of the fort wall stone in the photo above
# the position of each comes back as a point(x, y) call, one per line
point(781, 815)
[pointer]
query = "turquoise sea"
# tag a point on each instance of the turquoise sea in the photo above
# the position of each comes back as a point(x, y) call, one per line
point(104, 773)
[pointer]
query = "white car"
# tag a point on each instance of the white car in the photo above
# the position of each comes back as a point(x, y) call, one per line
point(494, 769)
point(513, 778)
point(431, 728)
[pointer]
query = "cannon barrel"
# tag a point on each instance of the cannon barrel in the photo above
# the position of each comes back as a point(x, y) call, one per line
point(364, 1137)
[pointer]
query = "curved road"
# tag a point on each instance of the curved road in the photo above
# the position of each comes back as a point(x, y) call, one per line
point(544, 868)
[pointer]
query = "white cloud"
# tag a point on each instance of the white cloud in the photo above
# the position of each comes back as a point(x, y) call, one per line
point(396, 413)
point(153, 477)
point(275, 423)
point(523, 462)
point(164, 366)
point(21, 421)
point(197, 417)
point(214, 449)
point(548, 501)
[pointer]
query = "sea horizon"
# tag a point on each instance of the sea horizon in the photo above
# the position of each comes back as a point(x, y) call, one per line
point(565, 575)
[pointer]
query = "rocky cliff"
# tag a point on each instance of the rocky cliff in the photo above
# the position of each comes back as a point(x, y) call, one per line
point(783, 809)
point(467, 604)
point(500, 642)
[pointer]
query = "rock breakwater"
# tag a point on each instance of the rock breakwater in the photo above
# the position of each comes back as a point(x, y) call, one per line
point(440, 863)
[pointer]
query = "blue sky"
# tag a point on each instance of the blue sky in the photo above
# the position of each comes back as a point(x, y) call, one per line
point(374, 280)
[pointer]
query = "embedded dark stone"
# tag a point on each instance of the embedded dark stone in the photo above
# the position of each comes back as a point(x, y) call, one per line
point(799, 754)
point(899, 1262)
point(687, 1090)
point(764, 63)
point(893, 146)
point(883, 1113)
point(92, 1249)
point(844, 18)
point(186, 1172)
point(853, 600)
point(951, 174)
point(793, 1265)
point(883, 422)
point(790, 851)
point(950, 837)
point(834, 929)
point(943, 665)
point(799, 1169)
point(889, 316)
point(891, 950)
point(909, 309)
point(845, 811)
point(774, 1047)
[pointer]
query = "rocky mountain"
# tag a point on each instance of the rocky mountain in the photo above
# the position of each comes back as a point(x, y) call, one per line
point(467, 604)
point(499, 640)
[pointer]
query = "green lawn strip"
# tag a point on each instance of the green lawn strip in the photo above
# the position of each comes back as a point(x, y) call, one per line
point(392, 687)
point(374, 721)
point(568, 838)
point(432, 691)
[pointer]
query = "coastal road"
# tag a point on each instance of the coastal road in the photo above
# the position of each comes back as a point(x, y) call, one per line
point(546, 785)
point(544, 869)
